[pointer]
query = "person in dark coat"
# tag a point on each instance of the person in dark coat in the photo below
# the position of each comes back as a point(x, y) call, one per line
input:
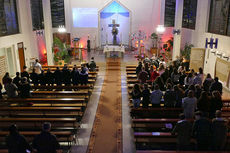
point(34, 77)
point(83, 76)
point(49, 76)
point(41, 78)
point(216, 85)
point(17, 79)
point(146, 96)
point(92, 65)
point(46, 142)
point(66, 75)
point(25, 88)
point(219, 132)
point(136, 95)
point(183, 129)
point(169, 97)
point(6, 78)
point(139, 68)
point(203, 103)
point(215, 103)
point(58, 76)
point(75, 75)
point(25, 73)
point(15, 142)
point(202, 131)
point(143, 76)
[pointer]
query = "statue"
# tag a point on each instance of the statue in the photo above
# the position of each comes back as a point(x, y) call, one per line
point(114, 31)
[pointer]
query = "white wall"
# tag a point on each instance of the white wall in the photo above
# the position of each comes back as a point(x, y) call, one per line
point(145, 16)
point(26, 36)
point(198, 36)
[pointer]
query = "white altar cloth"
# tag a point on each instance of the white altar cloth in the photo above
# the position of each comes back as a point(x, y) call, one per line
point(111, 48)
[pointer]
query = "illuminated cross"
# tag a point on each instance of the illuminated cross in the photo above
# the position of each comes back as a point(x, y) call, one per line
point(114, 31)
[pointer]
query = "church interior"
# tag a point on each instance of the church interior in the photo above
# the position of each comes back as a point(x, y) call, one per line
point(115, 76)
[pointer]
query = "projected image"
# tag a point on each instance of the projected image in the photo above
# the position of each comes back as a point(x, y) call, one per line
point(85, 17)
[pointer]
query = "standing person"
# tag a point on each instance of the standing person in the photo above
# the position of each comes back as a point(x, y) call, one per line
point(34, 77)
point(215, 103)
point(17, 80)
point(169, 96)
point(37, 67)
point(11, 89)
point(183, 129)
point(175, 76)
point(136, 95)
point(83, 76)
point(202, 131)
point(46, 142)
point(153, 74)
point(146, 96)
point(139, 68)
point(188, 80)
point(189, 104)
point(197, 79)
point(201, 74)
point(156, 96)
point(88, 44)
point(15, 142)
point(75, 75)
point(203, 103)
point(143, 76)
point(207, 82)
point(219, 132)
point(216, 85)
point(58, 76)
point(5, 79)
point(92, 65)
point(24, 73)
point(179, 94)
point(25, 88)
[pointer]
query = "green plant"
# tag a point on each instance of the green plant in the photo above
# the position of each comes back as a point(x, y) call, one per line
point(154, 37)
point(60, 51)
point(169, 45)
point(186, 52)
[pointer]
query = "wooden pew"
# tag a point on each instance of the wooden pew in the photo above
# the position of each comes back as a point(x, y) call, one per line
point(61, 66)
point(80, 93)
point(63, 87)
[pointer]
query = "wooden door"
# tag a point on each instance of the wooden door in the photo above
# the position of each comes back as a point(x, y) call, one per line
point(21, 55)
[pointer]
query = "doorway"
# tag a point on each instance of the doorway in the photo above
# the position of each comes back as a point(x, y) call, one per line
point(21, 55)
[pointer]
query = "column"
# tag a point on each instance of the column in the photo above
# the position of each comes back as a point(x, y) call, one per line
point(177, 25)
point(48, 30)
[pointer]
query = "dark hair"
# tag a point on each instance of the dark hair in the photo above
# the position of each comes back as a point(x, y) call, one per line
point(200, 70)
point(216, 79)
point(13, 129)
point(182, 116)
point(17, 73)
point(209, 75)
point(46, 126)
point(24, 67)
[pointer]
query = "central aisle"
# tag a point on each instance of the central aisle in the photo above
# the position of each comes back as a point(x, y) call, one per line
point(107, 129)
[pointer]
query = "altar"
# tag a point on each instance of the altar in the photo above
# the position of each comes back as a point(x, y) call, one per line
point(111, 50)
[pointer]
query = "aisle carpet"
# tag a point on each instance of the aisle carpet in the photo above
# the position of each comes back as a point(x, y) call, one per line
point(107, 129)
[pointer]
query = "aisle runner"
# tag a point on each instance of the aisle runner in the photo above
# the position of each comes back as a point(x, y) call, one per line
point(107, 129)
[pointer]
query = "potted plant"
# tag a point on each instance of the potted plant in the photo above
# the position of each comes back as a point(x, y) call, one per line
point(186, 52)
point(60, 50)
point(154, 38)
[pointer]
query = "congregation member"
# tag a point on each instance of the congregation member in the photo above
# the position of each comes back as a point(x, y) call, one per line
point(41, 78)
point(66, 75)
point(75, 75)
point(58, 76)
point(25, 88)
point(197, 79)
point(153, 74)
point(161, 69)
point(203, 103)
point(189, 105)
point(146, 96)
point(136, 95)
point(175, 76)
point(49, 77)
point(156, 96)
point(160, 83)
point(182, 77)
point(92, 65)
point(46, 142)
point(183, 130)
point(216, 85)
point(201, 74)
point(188, 80)
point(169, 97)
point(198, 91)
point(34, 77)
point(143, 76)
point(15, 142)
point(83, 76)
point(215, 103)
point(202, 131)
point(11, 89)
point(139, 68)
point(219, 132)
point(1, 90)
point(179, 94)
point(5, 79)
point(207, 82)
point(24, 73)
point(17, 79)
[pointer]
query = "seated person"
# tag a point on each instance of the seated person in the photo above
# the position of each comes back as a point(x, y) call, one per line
point(11, 89)
point(143, 76)
point(136, 95)
point(46, 142)
point(146, 96)
point(15, 142)
point(25, 88)
point(25, 73)
point(183, 129)
point(156, 96)
point(83, 76)
point(41, 78)
point(58, 76)
point(17, 80)
point(92, 65)
point(66, 75)
point(169, 96)
point(75, 75)
point(49, 77)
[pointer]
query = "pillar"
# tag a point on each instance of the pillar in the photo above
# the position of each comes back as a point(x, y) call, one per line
point(177, 25)
point(48, 30)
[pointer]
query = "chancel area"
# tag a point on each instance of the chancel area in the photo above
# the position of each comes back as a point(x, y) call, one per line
point(114, 76)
